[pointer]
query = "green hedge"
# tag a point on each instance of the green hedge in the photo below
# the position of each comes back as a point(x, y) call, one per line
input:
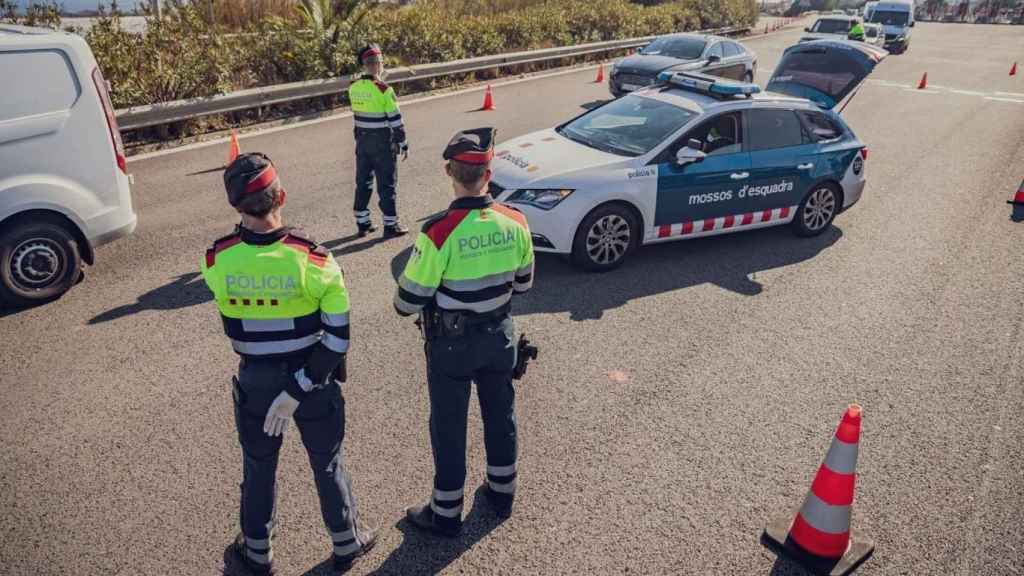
point(182, 56)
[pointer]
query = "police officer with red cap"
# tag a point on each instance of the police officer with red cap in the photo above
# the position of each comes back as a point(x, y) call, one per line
point(380, 138)
point(465, 266)
point(285, 309)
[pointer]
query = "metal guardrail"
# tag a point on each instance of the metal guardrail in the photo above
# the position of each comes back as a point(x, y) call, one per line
point(177, 110)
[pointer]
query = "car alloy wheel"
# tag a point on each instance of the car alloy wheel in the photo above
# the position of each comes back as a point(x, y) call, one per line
point(819, 209)
point(608, 239)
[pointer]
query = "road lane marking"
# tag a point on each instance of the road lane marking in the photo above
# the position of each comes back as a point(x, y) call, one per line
point(994, 99)
point(968, 92)
point(1013, 94)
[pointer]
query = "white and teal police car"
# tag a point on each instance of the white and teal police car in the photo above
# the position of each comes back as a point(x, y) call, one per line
point(694, 156)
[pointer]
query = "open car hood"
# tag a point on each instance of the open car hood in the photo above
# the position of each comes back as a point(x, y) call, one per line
point(824, 71)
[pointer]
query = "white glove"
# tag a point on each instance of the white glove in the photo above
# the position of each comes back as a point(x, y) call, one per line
point(280, 414)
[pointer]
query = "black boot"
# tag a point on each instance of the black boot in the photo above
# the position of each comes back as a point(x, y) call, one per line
point(254, 567)
point(500, 503)
point(365, 229)
point(424, 517)
point(395, 230)
point(367, 538)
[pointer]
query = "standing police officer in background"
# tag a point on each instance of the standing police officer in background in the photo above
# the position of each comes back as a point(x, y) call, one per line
point(380, 137)
point(856, 31)
point(464, 268)
point(284, 306)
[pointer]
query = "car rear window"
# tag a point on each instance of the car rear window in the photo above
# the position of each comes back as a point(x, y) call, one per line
point(45, 83)
point(771, 129)
point(682, 47)
point(831, 26)
point(820, 126)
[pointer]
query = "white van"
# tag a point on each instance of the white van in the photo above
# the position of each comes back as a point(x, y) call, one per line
point(896, 18)
point(63, 174)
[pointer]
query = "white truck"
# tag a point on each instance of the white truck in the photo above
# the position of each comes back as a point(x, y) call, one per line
point(64, 185)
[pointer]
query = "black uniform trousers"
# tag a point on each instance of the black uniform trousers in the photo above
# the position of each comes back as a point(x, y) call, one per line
point(375, 158)
point(320, 419)
point(486, 354)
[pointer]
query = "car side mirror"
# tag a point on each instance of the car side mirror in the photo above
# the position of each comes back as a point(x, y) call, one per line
point(807, 28)
point(687, 155)
point(911, 24)
point(713, 58)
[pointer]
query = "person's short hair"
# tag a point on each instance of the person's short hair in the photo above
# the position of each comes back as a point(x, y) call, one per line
point(252, 184)
point(467, 174)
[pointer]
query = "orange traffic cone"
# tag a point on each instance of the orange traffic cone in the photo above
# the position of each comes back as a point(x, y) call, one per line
point(600, 74)
point(232, 149)
point(819, 538)
point(1013, 69)
point(923, 83)
point(488, 100)
point(1018, 204)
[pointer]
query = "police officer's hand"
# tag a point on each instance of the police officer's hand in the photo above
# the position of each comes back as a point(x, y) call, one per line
point(403, 148)
point(280, 414)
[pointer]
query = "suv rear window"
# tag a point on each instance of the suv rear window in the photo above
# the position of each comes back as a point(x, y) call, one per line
point(820, 126)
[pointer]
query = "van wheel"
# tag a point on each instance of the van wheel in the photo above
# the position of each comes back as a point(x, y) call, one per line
point(816, 211)
point(605, 237)
point(39, 261)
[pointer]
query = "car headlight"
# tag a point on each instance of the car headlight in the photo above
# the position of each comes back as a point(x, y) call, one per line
point(542, 198)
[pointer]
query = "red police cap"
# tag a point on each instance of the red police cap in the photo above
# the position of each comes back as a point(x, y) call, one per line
point(471, 146)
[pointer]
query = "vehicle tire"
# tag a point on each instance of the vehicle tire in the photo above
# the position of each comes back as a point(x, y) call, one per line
point(817, 210)
point(39, 261)
point(605, 238)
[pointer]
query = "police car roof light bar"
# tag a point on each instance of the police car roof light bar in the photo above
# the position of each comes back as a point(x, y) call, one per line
point(710, 85)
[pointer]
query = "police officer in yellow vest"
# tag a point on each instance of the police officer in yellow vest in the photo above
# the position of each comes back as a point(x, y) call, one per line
point(856, 31)
point(284, 307)
point(465, 266)
point(380, 138)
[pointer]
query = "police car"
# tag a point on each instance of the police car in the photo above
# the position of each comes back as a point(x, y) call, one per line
point(694, 156)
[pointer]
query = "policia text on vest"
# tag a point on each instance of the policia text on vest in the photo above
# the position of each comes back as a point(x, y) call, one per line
point(464, 268)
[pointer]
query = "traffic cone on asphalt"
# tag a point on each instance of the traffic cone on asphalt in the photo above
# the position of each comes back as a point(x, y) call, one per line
point(600, 74)
point(1013, 69)
point(232, 149)
point(923, 83)
point(488, 100)
point(819, 538)
point(1018, 204)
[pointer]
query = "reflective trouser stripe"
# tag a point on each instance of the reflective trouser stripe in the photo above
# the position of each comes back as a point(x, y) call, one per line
point(343, 536)
point(390, 219)
point(503, 488)
point(817, 542)
point(260, 543)
point(346, 549)
point(362, 216)
point(842, 457)
point(501, 470)
point(447, 494)
point(261, 558)
point(446, 512)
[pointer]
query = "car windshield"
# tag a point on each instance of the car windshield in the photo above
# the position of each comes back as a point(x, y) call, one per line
point(871, 31)
point(832, 26)
point(889, 17)
point(682, 47)
point(629, 126)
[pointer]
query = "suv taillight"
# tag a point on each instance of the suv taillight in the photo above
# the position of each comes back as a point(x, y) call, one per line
point(864, 153)
point(108, 111)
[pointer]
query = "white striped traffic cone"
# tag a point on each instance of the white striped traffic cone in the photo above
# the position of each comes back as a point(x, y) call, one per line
point(819, 538)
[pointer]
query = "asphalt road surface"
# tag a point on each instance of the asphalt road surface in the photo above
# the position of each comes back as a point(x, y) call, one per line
point(679, 403)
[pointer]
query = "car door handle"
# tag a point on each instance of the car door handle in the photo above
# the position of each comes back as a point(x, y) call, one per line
point(806, 166)
point(739, 175)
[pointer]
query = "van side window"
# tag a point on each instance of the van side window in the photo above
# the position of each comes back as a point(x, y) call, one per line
point(45, 83)
point(820, 126)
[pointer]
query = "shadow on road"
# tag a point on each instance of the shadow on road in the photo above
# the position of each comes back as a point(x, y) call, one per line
point(422, 553)
point(184, 291)
point(784, 567)
point(347, 246)
point(730, 262)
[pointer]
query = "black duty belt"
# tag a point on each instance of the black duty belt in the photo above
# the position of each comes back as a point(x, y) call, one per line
point(453, 323)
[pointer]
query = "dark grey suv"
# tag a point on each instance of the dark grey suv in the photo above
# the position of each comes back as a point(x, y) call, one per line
point(683, 52)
